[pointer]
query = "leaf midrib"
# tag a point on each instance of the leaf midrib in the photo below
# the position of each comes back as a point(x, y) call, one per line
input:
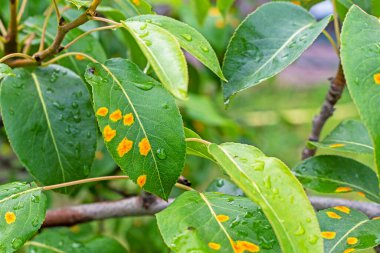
point(38, 88)
point(16, 195)
point(44, 246)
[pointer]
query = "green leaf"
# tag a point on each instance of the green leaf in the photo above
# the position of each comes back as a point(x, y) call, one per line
point(344, 228)
point(344, 5)
point(214, 222)
point(196, 148)
point(304, 3)
point(105, 245)
point(361, 64)
point(336, 174)
point(350, 136)
point(22, 212)
point(103, 163)
point(270, 183)
point(50, 123)
point(224, 6)
point(200, 9)
point(189, 39)
point(266, 42)
point(5, 71)
point(163, 53)
point(133, 7)
point(224, 186)
point(78, 3)
point(148, 126)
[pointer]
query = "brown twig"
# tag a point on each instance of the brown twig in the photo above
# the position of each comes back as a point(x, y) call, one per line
point(334, 93)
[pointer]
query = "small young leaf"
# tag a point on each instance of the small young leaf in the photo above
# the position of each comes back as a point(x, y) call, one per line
point(164, 54)
point(78, 3)
point(361, 64)
point(348, 230)
point(336, 174)
point(5, 71)
point(349, 136)
point(196, 148)
point(214, 222)
point(141, 124)
point(262, 47)
point(22, 212)
point(50, 123)
point(189, 38)
point(270, 184)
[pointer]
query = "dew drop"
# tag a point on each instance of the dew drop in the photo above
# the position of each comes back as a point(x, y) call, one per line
point(19, 206)
point(77, 118)
point(300, 230)
point(148, 42)
point(267, 182)
point(143, 35)
point(57, 105)
point(144, 26)
point(35, 222)
point(313, 239)
point(16, 243)
point(165, 106)
point(35, 199)
point(161, 154)
point(187, 37)
point(220, 183)
point(144, 86)
point(205, 49)
point(74, 105)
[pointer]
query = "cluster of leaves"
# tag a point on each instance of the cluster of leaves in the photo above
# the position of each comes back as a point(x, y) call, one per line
point(51, 117)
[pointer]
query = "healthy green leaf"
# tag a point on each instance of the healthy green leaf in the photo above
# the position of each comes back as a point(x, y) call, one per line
point(50, 123)
point(262, 47)
point(344, 5)
point(350, 136)
point(22, 212)
point(105, 245)
point(141, 124)
point(5, 71)
point(224, 6)
point(361, 64)
point(189, 39)
point(224, 186)
point(196, 148)
point(214, 222)
point(78, 3)
point(345, 230)
point(270, 183)
point(163, 53)
point(336, 174)
point(200, 9)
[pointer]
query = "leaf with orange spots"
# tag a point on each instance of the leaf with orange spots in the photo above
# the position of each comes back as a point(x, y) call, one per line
point(352, 231)
point(197, 222)
point(271, 184)
point(22, 211)
point(361, 63)
point(153, 146)
point(337, 174)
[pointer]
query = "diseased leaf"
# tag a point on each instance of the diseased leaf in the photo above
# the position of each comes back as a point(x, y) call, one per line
point(348, 230)
point(214, 222)
point(270, 184)
point(196, 148)
point(141, 124)
point(79, 3)
point(22, 212)
point(50, 123)
point(336, 174)
point(361, 64)
point(262, 47)
point(5, 71)
point(350, 136)
point(163, 53)
point(189, 39)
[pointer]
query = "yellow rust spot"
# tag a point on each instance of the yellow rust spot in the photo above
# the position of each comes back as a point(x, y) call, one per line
point(349, 250)
point(343, 189)
point(108, 133)
point(328, 235)
point(361, 194)
point(99, 155)
point(333, 215)
point(214, 245)
point(376, 77)
point(128, 119)
point(222, 217)
point(296, 2)
point(214, 11)
point(141, 180)
point(136, 2)
point(10, 217)
point(336, 145)
point(343, 209)
point(116, 115)
point(124, 147)
point(242, 246)
point(352, 240)
point(102, 111)
point(144, 147)
point(79, 57)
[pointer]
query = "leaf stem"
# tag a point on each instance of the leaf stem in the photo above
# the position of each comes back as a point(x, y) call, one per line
point(106, 20)
point(198, 140)
point(22, 9)
point(44, 27)
point(66, 55)
point(184, 187)
point(83, 181)
point(336, 24)
point(3, 30)
point(331, 40)
point(9, 56)
point(57, 11)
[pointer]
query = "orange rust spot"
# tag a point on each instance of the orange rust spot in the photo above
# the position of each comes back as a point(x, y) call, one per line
point(141, 180)
point(128, 119)
point(214, 12)
point(144, 147)
point(219, 23)
point(296, 2)
point(214, 245)
point(116, 115)
point(79, 57)
point(333, 215)
point(124, 147)
point(361, 194)
point(10, 217)
point(222, 217)
point(352, 240)
point(102, 111)
point(343, 209)
point(349, 250)
point(199, 126)
point(99, 155)
point(108, 133)
point(136, 2)
point(337, 145)
point(343, 189)
point(376, 77)
point(328, 235)
point(242, 246)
